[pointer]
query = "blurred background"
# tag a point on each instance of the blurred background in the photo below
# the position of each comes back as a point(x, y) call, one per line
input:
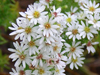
point(9, 11)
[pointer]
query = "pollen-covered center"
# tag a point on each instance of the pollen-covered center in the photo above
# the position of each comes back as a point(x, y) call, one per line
point(22, 57)
point(36, 14)
point(69, 19)
point(20, 28)
point(47, 26)
point(89, 43)
point(41, 71)
point(28, 30)
point(31, 43)
point(92, 8)
point(57, 70)
point(95, 21)
point(74, 31)
point(55, 48)
point(39, 56)
point(87, 29)
point(21, 72)
point(74, 60)
point(72, 49)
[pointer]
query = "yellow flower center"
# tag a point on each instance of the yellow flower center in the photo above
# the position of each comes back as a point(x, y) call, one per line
point(41, 71)
point(22, 57)
point(92, 8)
point(55, 48)
point(74, 60)
point(47, 26)
point(36, 14)
point(31, 43)
point(87, 29)
point(95, 21)
point(74, 31)
point(72, 49)
point(69, 19)
point(57, 70)
point(20, 28)
point(28, 30)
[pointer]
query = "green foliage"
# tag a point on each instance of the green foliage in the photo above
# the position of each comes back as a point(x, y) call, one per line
point(8, 12)
point(3, 61)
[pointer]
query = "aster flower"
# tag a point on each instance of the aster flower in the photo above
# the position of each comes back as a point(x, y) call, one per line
point(47, 26)
point(94, 20)
point(46, 2)
point(44, 70)
point(20, 54)
point(59, 71)
point(36, 12)
point(32, 46)
point(56, 13)
point(69, 18)
point(86, 30)
point(81, 15)
point(20, 71)
point(74, 50)
point(24, 30)
point(38, 59)
point(90, 47)
point(73, 31)
point(90, 7)
point(78, 61)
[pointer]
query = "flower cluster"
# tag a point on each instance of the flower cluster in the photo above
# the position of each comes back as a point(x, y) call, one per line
point(50, 40)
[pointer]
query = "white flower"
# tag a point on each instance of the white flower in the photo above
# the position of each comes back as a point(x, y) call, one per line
point(59, 71)
point(47, 26)
point(90, 47)
point(74, 50)
point(94, 20)
point(38, 59)
point(73, 31)
point(20, 71)
point(56, 13)
point(90, 7)
point(32, 46)
point(75, 62)
point(44, 70)
point(35, 12)
point(24, 30)
point(81, 15)
point(46, 2)
point(69, 18)
point(20, 54)
point(87, 31)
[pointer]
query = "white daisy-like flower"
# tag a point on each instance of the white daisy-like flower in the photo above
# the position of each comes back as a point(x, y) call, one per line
point(90, 7)
point(47, 26)
point(86, 30)
point(59, 71)
point(46, 2)
point(35, 12)
point(59, 63)
point(81, 15)
point(38, 59)
point(78, 61)
point(94, 20)
point(24, 30)
point(20, 71)
point(44, 70)
point(73, 10)
point(32, 46)
point(90, 47)
point(69, 18)
point(56, 13)
point(73, 31)
point(20, 54)
point(74, 50)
